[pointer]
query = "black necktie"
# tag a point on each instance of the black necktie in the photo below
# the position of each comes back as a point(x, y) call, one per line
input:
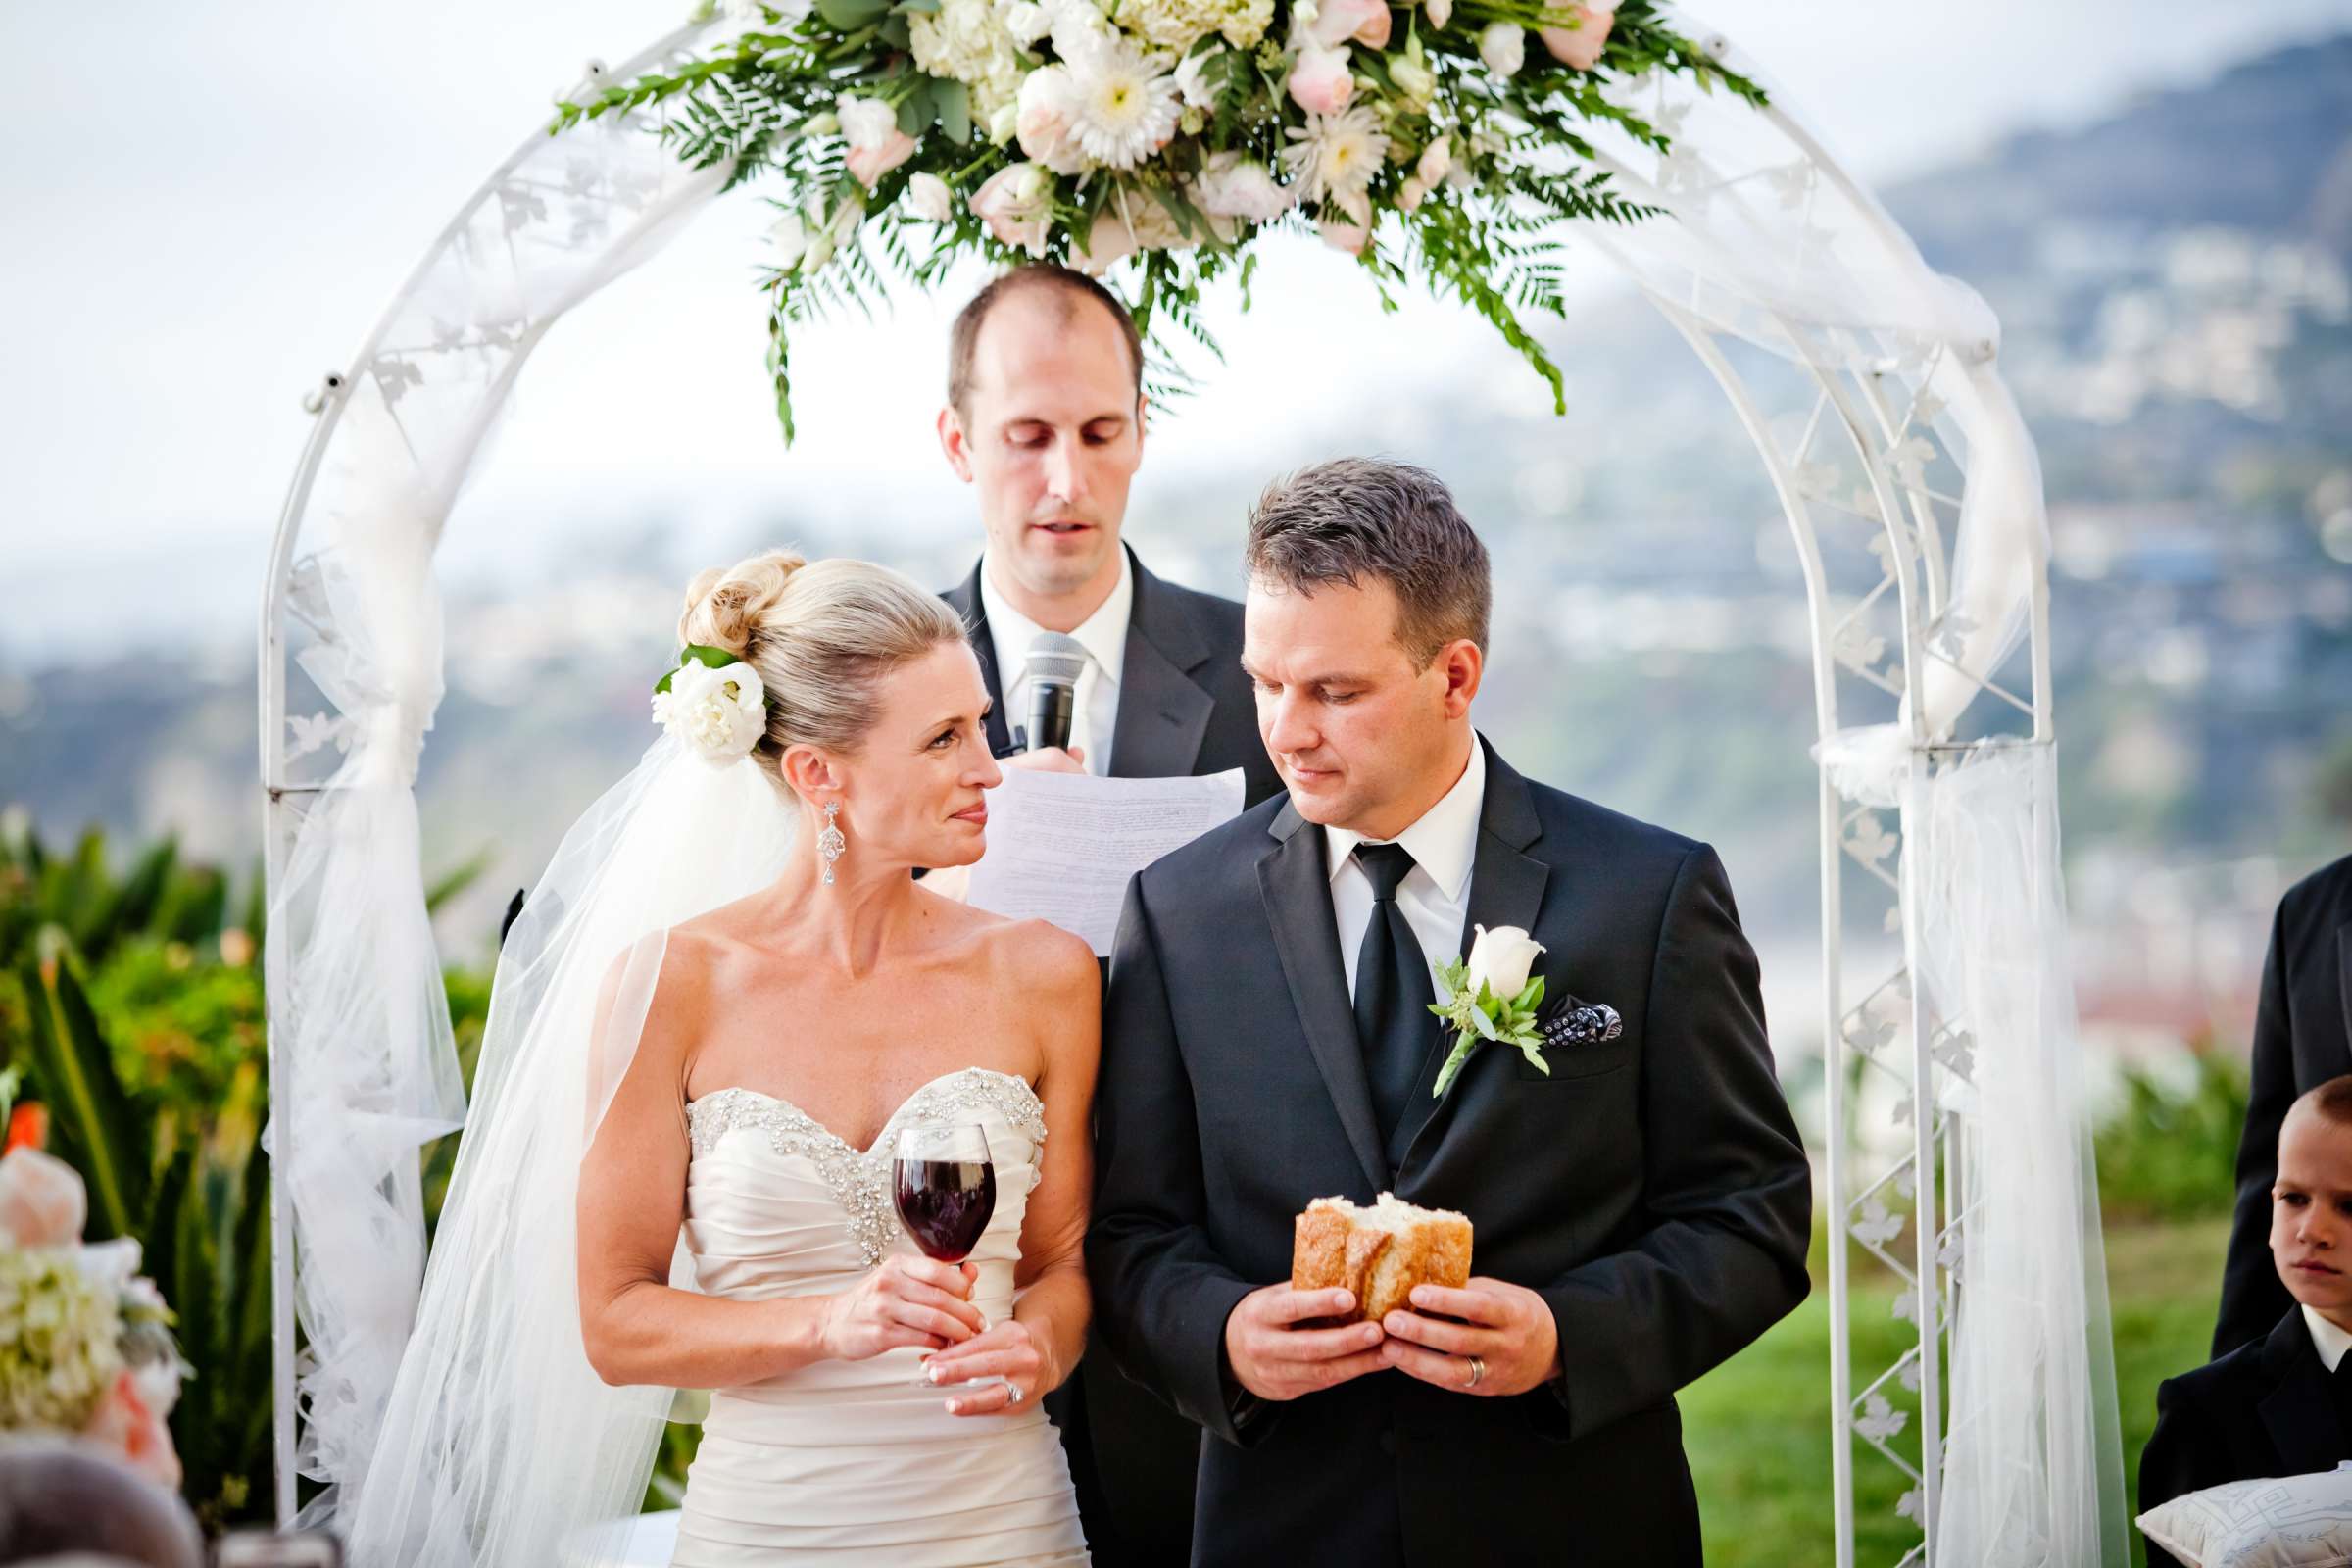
point(1393, 992)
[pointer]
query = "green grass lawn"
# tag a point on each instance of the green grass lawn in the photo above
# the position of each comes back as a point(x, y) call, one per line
point(1758, 1428)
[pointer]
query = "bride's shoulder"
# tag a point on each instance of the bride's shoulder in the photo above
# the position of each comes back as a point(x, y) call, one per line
point(1037, 956)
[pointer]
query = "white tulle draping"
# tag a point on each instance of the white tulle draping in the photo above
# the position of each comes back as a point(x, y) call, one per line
point(1763, 238)
point(366, 1071)
point(501, 1446)
point(2034, 1462)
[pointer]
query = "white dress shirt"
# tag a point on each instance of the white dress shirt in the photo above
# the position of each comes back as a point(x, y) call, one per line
point(1094, 720)
point(1434, 893)
point(2325, 1338)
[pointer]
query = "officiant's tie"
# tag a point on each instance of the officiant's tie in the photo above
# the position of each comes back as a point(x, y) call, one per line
point(1393, 990)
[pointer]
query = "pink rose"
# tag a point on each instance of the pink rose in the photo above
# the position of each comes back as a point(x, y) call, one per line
point(1017, 206)
point(42, 1201)
point(1365, 20)
point(1343, 236)
point(1043, 120)
point(866, 165)
point(124, 1423)
point(1579, 47)
point(1320, 83)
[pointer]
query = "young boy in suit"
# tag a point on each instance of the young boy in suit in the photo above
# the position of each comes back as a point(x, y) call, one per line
point(2282, 1405)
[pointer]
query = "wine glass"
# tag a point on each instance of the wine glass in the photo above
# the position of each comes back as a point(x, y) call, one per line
point(944, 1185)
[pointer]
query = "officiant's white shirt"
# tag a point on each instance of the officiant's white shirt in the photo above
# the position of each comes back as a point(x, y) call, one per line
point(1434, 893)
point(1103, 634)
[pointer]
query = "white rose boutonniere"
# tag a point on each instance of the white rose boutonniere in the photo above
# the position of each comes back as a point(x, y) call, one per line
point(715, 704)
point(1490, 996)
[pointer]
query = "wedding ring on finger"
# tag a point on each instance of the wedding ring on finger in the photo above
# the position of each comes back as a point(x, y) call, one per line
point(1478, 1372)
point(1012, 1393)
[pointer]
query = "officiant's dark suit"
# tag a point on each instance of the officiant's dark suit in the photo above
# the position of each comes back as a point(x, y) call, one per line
point(2268, 1408)
point(1185, 706)
point(2302, 1038)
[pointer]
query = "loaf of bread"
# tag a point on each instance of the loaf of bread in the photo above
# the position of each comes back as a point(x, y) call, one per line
point(1380, 1252)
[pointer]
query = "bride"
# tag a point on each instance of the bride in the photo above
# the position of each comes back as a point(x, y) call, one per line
point(720, 1005)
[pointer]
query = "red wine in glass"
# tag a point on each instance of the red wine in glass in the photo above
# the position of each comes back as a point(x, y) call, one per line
point(944, 1203)
point(944, 1185)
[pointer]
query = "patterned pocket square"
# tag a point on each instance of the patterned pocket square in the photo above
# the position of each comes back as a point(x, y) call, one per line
point(1566, 1021)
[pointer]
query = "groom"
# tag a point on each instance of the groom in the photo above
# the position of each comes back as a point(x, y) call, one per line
point(1642, 1209)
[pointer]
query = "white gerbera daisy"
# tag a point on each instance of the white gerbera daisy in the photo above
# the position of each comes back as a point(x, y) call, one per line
point(1123, 104)
point(1334, 157)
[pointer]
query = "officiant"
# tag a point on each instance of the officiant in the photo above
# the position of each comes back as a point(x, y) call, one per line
point(1044, 419)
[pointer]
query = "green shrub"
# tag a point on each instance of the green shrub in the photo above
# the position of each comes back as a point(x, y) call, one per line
point(2169, 1151)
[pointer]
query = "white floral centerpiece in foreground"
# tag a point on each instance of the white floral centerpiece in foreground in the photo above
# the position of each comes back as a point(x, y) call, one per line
point(1165, 136)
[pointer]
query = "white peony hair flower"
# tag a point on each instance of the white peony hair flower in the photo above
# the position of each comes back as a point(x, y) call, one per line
point(718, 715)
point(1334, 157)
point(1122, 103)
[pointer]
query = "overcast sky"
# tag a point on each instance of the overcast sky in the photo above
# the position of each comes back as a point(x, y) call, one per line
point(207, 207)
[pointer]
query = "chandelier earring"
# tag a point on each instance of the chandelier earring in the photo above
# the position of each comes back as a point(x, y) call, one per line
point(832, 844)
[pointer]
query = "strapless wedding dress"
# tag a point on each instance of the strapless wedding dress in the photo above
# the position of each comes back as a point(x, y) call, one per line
point(853, 1461)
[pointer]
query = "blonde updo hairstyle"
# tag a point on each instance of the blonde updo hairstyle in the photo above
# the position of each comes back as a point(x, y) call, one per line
point(823, 636)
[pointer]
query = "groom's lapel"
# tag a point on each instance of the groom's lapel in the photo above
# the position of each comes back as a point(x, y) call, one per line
point(1507, 888)
point(1298, 894)
point(965, 599)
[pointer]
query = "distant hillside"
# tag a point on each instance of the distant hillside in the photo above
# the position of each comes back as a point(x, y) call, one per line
point(2266, 147)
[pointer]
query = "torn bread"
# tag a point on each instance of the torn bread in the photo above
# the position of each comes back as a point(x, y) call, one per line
point(1380, 1252)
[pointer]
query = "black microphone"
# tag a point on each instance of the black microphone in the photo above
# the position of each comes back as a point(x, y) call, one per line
point(1055, 663)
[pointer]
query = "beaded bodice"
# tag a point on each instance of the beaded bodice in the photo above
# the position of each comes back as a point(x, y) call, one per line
point(859, 1179)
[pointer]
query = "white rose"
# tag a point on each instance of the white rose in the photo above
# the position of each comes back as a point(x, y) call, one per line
point(1500, 959)
point(865, 122)
point(1411, 194)
point(929, 199)
point(1003, 121)
point(1437, 162)
point(1232, 186)
point(1342, 236)
point(1503, 45)
point(1044, 123)
point(1441, 12)
point(720, 714)
point(1026, 21)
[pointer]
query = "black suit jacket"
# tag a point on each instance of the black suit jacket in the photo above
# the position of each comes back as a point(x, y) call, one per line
point(1185, 706)
point(2302, 1038)
point(2265, 1409)
point(1652, 1188)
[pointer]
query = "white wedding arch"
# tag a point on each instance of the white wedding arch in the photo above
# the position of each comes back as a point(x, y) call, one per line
point(1870, 389)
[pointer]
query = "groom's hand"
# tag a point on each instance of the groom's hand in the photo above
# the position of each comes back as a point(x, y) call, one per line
point(1275, 1358)
point(1508, 1327)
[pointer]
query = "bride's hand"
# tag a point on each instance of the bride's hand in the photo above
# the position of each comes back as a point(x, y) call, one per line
point(1008, 1352)
point(902, 1301)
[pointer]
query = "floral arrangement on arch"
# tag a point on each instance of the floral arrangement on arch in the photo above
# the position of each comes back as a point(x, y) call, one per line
point(1421, 137)
point(85, 1339)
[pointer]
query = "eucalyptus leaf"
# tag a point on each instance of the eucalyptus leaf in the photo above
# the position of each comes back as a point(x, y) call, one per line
point(848, 16)
point(916, 110)
point(895, 32)
point(1483, 1024)
point(954, 109)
